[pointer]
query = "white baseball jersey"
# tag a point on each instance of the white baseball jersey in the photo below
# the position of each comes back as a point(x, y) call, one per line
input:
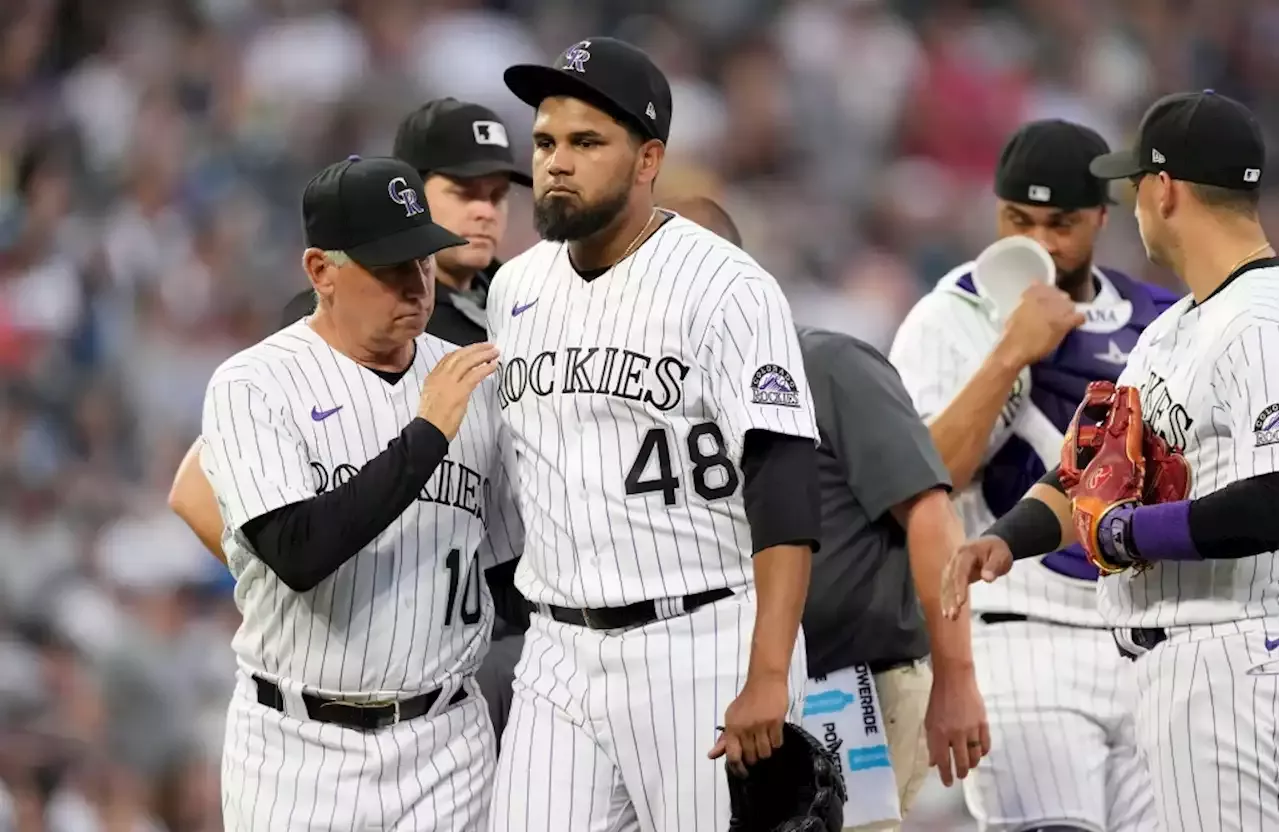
point(289, 418)
point(628, 398)
point(1208, 379)
point(942, 343)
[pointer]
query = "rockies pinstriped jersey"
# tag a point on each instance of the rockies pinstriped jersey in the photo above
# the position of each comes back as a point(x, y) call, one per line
point(628, 398)
point(1209, 385)
point(940, 345)
point(289, 418)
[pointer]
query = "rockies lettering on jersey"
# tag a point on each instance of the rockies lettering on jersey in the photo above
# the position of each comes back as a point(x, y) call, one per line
point(937, 349)
point(1208, 380)
point(290, 418)
point(594, 371)
point(628, 398)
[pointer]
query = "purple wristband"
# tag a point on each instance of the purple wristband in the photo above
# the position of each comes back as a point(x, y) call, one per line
point(1163, 532)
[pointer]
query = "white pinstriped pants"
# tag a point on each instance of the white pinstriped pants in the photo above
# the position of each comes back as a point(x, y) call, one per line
point(609, 731)
point(1063, 749)
point(281, 773)
point(1206, 723)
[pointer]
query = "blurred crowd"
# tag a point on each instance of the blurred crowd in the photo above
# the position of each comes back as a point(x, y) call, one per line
point(152, 153)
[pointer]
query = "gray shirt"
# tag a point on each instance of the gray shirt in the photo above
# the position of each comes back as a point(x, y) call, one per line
point(875, 452)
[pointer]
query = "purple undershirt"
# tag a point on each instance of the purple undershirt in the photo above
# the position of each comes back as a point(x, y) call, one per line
point(1163, 532)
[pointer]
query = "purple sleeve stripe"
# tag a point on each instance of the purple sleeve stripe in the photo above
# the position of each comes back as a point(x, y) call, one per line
point(1163, 532)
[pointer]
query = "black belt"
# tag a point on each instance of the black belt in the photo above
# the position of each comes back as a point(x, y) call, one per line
point(1145, 637)
point(1001, 617)
point(885, 665)
point(632, 615)
point(369, 717)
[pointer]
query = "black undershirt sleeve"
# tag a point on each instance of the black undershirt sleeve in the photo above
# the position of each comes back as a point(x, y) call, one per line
point(780, 490)
point(1237, 521)
point(1031, 528)
point(307, 541)
point(1050, 479)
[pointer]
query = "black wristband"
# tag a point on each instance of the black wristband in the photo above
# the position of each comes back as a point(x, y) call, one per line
point(1030, 529)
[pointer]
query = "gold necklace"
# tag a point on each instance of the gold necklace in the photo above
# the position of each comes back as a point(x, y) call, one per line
point(1247, 257)
point(627, 253)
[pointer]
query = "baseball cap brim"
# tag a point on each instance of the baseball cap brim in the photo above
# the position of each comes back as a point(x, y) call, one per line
point(411, 244)
point(1118, 165)
point(485, 167)
point(532, 83)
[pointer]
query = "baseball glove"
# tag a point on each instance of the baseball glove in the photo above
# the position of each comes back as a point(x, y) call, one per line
point(1111, 461)
point(799, 788)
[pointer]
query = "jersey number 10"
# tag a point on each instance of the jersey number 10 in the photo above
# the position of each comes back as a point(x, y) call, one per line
point(468, 605)
point(657, 443)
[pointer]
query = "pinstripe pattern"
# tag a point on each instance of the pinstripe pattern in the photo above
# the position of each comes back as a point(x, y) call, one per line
point(1207, 707)
point(1047, 686)
point(1206, 375)
point(609, 731)
point(938, 347)
point(1063, 752)
point(628, 398)
point(433, 773)
point(674, 335)
point(1208, 728)
point(408, 614)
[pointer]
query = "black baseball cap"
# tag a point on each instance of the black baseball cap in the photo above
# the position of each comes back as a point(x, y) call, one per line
point(458, 139)
point(1199, 137)
point(607, 73)
point(374, 210)
point(1047, 163)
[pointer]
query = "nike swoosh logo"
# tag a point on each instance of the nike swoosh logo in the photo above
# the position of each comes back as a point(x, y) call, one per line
point(319, 415)
point(1272, 643)
point(517, 308)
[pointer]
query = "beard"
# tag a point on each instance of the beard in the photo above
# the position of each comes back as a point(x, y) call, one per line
point(1071, 280)
point(560, 220)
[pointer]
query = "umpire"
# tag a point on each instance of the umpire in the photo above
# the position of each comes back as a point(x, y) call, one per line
point(874, 607)
point(464, 156)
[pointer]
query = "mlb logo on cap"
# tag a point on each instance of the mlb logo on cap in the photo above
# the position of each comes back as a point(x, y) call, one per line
point(490, 132)
point(1038, 193)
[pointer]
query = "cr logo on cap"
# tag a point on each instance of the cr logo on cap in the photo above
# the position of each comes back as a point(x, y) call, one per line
point(575, 57)
point(402, 194)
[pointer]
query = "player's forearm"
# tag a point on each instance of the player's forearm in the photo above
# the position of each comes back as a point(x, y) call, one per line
point(780, 498)
point(962, 430)
point(1237, 521)
point(192, 499)
point(934, 531)
point(307, 541)
point(1039, 523)
point(782, 584)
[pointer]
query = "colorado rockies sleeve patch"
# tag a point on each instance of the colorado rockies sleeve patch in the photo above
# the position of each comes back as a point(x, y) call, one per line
point(1266, 428)
point(774, 385)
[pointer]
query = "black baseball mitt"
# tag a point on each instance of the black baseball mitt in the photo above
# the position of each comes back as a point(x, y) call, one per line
point(798, 789)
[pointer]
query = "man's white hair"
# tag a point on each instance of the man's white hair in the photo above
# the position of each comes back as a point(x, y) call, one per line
point(338, 258)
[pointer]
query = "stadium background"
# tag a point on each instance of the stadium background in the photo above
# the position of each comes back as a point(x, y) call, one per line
point(151, 158)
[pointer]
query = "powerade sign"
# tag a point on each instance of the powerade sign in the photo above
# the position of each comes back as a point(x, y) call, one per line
point(840, 721)
point(827, 702)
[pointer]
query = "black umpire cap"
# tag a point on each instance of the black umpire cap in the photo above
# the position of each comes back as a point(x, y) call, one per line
point(1199, 137)
point(1047, 163)
point(374, 210)
point(607, 73)
point(457, 139)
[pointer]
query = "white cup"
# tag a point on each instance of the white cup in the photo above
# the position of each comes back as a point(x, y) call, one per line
point(1006, 268)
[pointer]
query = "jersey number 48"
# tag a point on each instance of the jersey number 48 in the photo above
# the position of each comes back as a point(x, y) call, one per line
point(712, 472)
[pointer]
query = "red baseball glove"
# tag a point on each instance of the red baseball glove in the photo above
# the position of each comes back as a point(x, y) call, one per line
point(1168, 476)
point(1102, 465)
